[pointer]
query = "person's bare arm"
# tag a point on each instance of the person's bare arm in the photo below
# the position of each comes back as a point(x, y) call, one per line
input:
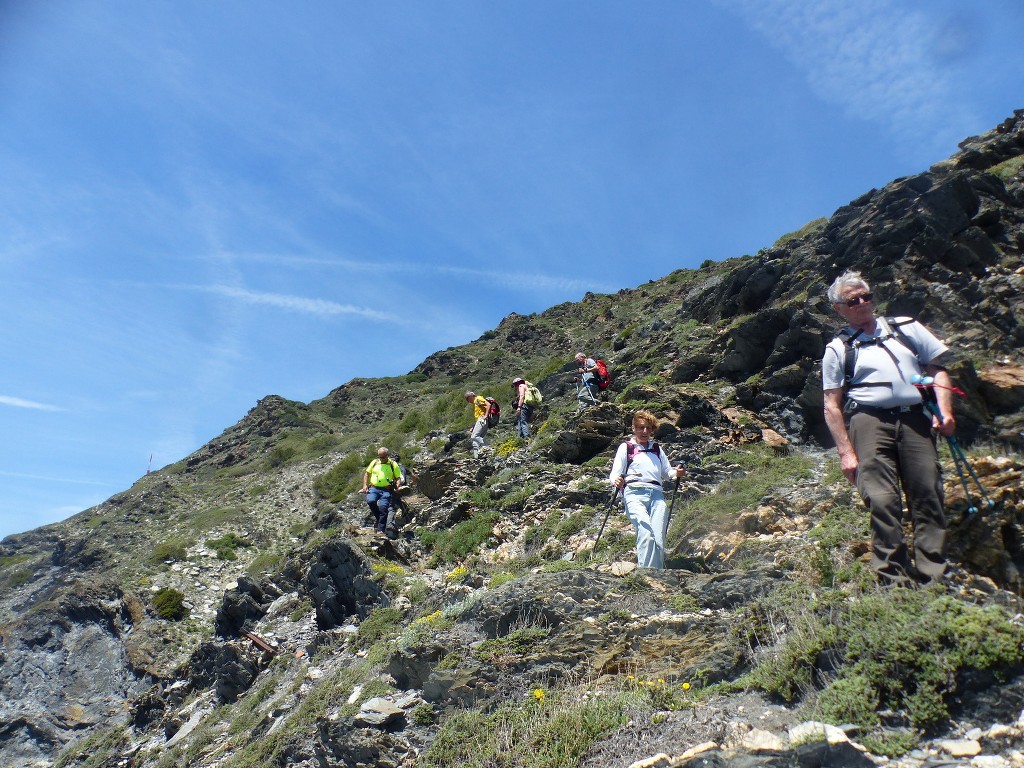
point(836, 424)
point(944, 397)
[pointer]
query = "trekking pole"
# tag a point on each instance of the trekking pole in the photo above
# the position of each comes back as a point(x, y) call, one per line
point(961, 459)
point(580, 388)
point(925, 385)
point(671, 506)
point(611, 503)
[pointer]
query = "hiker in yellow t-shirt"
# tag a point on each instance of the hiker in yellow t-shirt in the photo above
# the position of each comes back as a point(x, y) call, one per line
point(380, 480)
point(479, 433)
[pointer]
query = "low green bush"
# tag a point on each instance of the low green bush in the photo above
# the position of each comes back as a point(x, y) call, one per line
point(381, 624)
point(550, 729)
point(344, 477)
point(226, 545)
point(514, 645)
point(169, 604)
point(170, 551)
point(453, 544)
point(902, 650)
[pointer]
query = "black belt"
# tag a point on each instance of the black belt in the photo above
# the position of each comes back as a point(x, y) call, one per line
point(853, 407)
point(649, 482)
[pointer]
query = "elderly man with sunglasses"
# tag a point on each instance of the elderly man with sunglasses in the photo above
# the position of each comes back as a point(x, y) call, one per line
point(882, 430)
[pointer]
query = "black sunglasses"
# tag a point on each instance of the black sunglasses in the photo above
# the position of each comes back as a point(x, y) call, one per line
point(864, 298)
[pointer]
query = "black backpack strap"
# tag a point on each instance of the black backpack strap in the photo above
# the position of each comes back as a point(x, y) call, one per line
point(849, 355)
point(899, 335)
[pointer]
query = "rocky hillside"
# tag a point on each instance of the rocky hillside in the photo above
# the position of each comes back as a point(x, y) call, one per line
point(233, 609)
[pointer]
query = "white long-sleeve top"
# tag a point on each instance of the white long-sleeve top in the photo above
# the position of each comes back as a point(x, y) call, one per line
point(649, 466)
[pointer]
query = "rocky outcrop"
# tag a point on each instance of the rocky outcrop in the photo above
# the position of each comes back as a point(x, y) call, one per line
point(67, 668)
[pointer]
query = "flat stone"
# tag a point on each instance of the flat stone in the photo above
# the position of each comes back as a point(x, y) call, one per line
point(697, 749)
point(990, 761)
point(621, 568)
point(961, 747)
point(760, 740)
point(379, 712)
point(815, 731)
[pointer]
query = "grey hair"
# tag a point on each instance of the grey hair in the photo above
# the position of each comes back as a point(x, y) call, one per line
point(846, 280)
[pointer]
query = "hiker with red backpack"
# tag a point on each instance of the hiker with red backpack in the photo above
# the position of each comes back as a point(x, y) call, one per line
point(640, 470)
point(882, 430)
point(595, 377)
point(485, 413)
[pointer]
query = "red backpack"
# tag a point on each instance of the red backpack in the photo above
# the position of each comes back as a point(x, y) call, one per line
point(493, 412)
point(603, 377)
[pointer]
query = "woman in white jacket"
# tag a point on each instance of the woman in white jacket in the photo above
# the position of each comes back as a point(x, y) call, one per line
point(640, 470)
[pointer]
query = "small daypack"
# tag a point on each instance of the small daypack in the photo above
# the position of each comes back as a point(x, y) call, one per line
point(533, 395)
point(632, 449)
point(603, 377)
point(493, 412)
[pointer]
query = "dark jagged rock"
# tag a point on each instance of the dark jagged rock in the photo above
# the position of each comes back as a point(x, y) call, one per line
point(340, 584)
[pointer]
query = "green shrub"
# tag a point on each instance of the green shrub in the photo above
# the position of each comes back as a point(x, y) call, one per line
point(519, 496)
point(381, 624)
point(550, 729)
point(281, 455)
point(683, 603)
point(99, 749)
point(172, 550)
point(451, 411)
point(810, 228)
point(265, 562)
point(1007, 169)
point(500, 578)
point(851, 699)
point(454, 544)
point(169, 604)
point(417, 591)
point(512, 647)
point(214, 517)
point(344, 477)
point(424, 714)
point(8, 561)
point(226, 545)
point(478, 497)
point(902, 650)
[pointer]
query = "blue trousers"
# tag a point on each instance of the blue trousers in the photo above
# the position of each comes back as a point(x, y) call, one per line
point(646, 509)
point(523, 422)
point(379, 502)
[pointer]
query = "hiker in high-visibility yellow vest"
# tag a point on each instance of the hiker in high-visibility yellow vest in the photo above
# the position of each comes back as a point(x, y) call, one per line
point(380, 480)
point(479, 433)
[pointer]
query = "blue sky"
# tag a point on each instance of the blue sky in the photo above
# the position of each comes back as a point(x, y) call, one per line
point(205, 203)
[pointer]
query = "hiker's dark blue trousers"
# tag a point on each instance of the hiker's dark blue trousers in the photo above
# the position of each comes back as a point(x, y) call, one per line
point(379, 502)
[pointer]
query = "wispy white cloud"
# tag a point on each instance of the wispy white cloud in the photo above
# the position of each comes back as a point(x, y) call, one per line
point(529, 282)
point(55, 479)
point(526, 281)
point(302, 304)
point(873, 58)
point(17, 402)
